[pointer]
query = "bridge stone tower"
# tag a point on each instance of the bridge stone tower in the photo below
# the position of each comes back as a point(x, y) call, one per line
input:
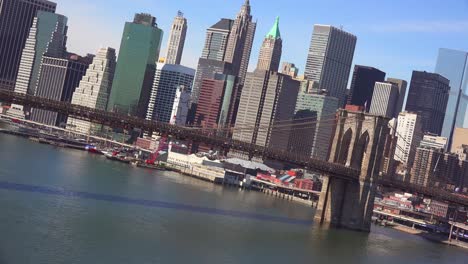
point(358, 143)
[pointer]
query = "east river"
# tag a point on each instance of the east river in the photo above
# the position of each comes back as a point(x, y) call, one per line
point(66, 206)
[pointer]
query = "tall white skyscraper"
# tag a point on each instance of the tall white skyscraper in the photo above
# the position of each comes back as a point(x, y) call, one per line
point(94, 89)
point(175, 44)
point(46, 36)
point(384, 99)
point(329, 60)
point(409, 133)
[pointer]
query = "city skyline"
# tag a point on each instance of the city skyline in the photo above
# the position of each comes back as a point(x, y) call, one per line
point(397, 57)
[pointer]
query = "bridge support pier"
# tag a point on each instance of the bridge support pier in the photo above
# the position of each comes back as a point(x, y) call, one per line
point(346, 204)
point(349, 203)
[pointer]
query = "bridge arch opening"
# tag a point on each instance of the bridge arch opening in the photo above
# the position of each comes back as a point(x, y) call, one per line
point(344, 147)
point(360, 151)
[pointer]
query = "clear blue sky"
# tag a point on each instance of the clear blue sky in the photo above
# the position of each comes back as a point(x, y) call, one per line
point(396, 36)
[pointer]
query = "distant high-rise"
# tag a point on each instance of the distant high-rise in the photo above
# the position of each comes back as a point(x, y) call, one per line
point(47, 35)
point(384, 99)
point(409, 133)
point(432, 167)
point(136, 65)
point(240, 42)
point(428, 96)
point(460, 143)
point(270, 52)
point(94, 89)
point(215, 101)
point(16, 19)
point(362, 85)
point(435, 142)
point(268, 99)
point(453, 65)
point(325, 108)
point(58, 80)
point(167, 81)
point(329, 60)
point(212, 59)
point(175, 44)
point(180, 107)
point(402, 86)
point(289, 69)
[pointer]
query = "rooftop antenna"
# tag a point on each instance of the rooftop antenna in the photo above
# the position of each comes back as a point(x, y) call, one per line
point(180, 14)
point(341, 27)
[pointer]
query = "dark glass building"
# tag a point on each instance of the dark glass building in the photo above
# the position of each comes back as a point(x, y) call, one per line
point(428, 96)
point(16, 18)
point(58, 80)
point(136, 66)
point(362, 85)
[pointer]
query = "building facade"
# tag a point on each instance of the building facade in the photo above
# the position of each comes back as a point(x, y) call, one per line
point(409, 133)
point(329, 60)
point(362, 85)
point(402, 87)
point(180, 107)
point(176, 42)
point(58, 81)
point(434, 168)
point(240, 42)
point(434, 142)
point(428, 96)
point(460, 142)
point(136, 65)
point(94, 89)
point(212, 60)
point(453, 65)
point(325, 108)
point(167, 81)
point(384, 99)
point(46, 36)
point(268, 100)
point(16, 19)
point(290, 69)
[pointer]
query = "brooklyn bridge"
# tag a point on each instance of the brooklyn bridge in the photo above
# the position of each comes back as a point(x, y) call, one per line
point(351, 174)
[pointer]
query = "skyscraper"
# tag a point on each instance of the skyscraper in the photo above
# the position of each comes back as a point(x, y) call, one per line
point(428, 96)
point(289, 69)
point(329, 60)
point(268, 98)
point(180, 107)
point(136, 65)
point(240, 42)
point(16, 19)
point(175, 44)
point(212, 59)
point(453, 65)
point(215, 101)
point(402, 86)
point(167, 81)
point(325, 107)
point(58, 80)
point(47, 35)
point(362, 85)
point(94, 89)
point(409, 133)
point(384, 99)
point(270, 53)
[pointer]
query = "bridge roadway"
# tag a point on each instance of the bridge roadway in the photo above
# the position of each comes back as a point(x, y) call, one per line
point(195, 135)
point(183, 133)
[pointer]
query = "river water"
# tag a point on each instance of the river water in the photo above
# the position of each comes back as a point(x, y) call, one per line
point(67, 206)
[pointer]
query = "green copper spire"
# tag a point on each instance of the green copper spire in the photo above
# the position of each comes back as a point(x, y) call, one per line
point(275, 32)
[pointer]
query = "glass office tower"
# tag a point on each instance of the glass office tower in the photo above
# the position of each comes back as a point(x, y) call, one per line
point(452, 64)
